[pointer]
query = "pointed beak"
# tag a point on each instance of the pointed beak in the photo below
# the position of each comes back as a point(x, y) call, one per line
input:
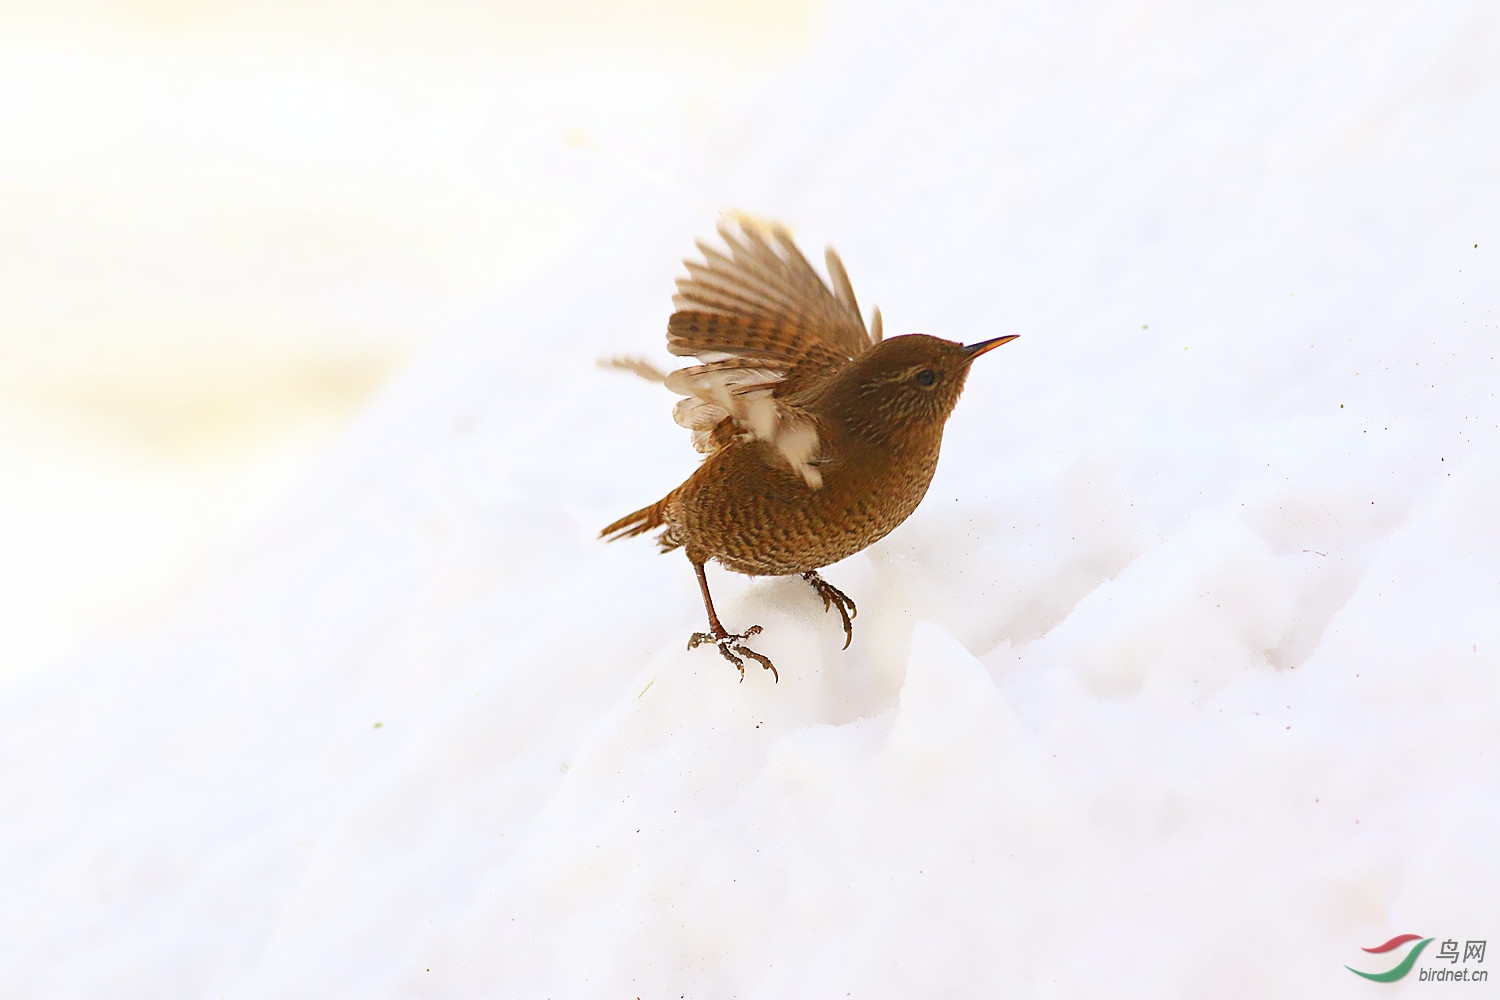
point(975, 350)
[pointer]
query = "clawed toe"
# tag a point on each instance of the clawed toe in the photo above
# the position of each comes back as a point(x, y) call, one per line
point(833, 597)
point(730, 643)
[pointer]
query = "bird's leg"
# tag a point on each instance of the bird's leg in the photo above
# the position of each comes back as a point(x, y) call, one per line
point(728, 642)
point(836, 598)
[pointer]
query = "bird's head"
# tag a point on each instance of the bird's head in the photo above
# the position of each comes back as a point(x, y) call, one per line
point(905, 384)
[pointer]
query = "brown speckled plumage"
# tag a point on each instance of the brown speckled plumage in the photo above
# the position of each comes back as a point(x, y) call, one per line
point(820, 437)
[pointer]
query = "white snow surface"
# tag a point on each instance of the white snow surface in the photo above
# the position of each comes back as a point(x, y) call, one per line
point(1184, 680)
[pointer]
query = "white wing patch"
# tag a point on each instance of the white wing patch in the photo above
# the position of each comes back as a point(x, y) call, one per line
point(722, 389)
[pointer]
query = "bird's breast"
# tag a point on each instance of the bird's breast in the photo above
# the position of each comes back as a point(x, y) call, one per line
point(756, 516)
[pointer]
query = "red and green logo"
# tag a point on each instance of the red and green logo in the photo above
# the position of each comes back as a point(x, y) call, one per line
point(1402, 967)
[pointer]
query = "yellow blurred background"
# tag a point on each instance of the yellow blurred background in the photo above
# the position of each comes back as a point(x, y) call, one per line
point(223, 225)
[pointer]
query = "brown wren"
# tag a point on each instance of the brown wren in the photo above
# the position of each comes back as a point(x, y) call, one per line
point(820, 436)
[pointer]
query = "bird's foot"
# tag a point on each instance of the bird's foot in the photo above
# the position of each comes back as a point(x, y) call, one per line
point(833, 597)
point(730, 643)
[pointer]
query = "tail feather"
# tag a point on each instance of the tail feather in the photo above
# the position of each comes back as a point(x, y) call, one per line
point(638, 522)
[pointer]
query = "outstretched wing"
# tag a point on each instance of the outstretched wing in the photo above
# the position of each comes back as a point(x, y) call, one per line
point(762, 324)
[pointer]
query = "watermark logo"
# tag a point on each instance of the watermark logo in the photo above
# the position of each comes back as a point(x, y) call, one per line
point(1447, 952)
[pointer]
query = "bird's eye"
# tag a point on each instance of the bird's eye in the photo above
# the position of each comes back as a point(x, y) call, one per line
point(925, 377)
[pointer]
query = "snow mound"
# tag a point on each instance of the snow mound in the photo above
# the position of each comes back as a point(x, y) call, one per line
point(1181, 682)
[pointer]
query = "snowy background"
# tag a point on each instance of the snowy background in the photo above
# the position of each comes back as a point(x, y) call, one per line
point(1183, 681)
